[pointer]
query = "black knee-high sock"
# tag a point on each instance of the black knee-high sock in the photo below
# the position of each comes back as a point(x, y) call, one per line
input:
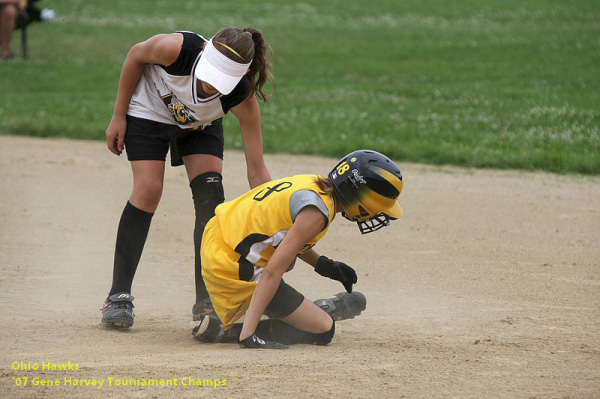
point(207, 192)
point(131, 237)
point(279, 331)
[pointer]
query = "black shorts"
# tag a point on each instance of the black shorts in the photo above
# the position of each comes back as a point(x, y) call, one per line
point(147, 140)
point(284, 302)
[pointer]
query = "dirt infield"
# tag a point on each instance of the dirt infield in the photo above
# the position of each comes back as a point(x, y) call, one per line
point(488, 287)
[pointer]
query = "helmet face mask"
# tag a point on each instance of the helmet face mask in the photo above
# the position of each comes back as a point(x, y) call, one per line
point(374, 224)
point(367, 185)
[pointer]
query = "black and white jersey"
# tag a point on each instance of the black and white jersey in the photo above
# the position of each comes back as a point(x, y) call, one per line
point(168, 94)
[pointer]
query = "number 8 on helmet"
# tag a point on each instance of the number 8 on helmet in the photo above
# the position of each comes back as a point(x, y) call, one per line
point(368, 184)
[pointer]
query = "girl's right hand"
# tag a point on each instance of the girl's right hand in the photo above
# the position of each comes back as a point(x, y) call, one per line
point(115, 134)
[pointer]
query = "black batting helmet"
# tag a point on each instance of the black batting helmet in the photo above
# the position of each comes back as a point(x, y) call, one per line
point(368, 184)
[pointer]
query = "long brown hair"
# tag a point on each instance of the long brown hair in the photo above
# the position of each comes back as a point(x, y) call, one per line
point(324, 184)
point(249, 45)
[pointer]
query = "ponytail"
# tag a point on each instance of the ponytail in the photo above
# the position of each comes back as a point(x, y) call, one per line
point(261, 64)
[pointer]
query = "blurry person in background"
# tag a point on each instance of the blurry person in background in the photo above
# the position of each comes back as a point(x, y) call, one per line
point(17, 14)
point(9, 11)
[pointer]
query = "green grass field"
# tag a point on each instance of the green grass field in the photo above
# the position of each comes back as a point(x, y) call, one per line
point(502, 84)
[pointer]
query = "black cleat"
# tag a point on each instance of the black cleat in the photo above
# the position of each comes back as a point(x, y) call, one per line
point(201, 308)
point(209, 329)
point(343, 306)
point(117, 311)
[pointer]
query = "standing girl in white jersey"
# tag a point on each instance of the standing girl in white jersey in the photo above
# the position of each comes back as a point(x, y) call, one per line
point(173, 92)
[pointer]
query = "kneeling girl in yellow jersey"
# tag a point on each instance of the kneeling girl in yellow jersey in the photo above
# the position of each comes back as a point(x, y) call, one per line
point(252, 241)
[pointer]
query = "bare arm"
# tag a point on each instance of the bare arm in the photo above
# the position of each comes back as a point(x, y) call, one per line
point(160, 49)
point(309, 222)
point(248, 113)
point(311, 257)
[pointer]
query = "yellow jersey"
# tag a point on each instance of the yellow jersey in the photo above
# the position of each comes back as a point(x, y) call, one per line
point(239, 241)
point(256, 222)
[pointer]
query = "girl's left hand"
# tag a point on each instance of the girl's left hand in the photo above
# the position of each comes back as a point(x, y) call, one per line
point(253, 342)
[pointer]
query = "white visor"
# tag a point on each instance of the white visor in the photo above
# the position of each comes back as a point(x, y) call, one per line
point(219, 71)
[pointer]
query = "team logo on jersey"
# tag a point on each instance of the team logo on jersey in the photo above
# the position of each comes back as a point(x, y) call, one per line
point(178, 110)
